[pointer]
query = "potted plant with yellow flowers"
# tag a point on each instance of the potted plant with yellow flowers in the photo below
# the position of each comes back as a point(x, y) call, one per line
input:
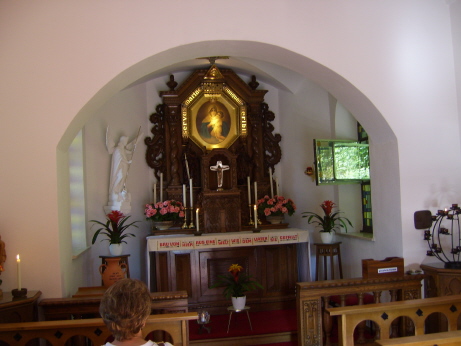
point(329, 222)
point(236, 283)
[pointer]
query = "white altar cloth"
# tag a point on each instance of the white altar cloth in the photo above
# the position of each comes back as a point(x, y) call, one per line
point(173, 242)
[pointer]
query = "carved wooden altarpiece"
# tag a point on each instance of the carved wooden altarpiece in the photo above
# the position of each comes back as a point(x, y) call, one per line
point(214, 116)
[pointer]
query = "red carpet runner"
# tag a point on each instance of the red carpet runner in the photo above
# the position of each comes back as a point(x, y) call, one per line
point(263, 322)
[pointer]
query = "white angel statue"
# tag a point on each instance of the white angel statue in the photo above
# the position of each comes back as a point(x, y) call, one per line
point(122, 156)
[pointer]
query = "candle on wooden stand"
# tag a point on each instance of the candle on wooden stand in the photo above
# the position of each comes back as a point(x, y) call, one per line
point(161, 187)
point(249, 190)
point(270, 182)
point(155, 193)
point(18, 260)
point(256, 216)
point(191, 195)
point(196, 216)
point(184, 195)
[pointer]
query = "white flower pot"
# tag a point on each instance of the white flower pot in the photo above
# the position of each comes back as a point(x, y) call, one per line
point(115, 249)
point(239, 302)
point(327, 237)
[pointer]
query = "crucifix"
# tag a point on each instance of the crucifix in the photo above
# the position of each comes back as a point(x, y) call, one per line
point(219, 169)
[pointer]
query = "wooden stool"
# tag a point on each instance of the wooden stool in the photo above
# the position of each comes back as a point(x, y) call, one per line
point(123, 259)
point(328, 250)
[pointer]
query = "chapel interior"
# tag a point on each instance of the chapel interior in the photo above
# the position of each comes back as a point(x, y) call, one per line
point(277, 102)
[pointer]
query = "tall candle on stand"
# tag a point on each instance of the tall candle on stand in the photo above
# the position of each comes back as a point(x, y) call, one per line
point(161, 187)
point(255, 216)
point(155, 193)
point(256, 192)
point(198, 222)
point(18, 260)
point(249, 190)
point(184, 195)
point(191, 195)
point(277, 186)
point(271, 182)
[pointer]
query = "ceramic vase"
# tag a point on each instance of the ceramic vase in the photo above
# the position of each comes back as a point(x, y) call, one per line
point(161, 225)
point(112, 271)
point(239, 302)
point(274, 219)
point(327, 237)
point(115, 249)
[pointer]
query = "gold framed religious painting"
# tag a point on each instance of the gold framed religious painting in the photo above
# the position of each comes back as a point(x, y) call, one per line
point(214, 120)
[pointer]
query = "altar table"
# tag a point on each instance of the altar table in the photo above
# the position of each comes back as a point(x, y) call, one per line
point(192, 263)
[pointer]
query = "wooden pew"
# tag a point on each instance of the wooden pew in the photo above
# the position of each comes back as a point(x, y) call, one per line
point(85, 304)
point(385, 314)
point(57, 333)
point(441, 339)
point(313, 297)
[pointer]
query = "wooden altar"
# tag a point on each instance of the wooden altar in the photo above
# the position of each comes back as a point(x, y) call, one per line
point(192, 264)
point(214, 116)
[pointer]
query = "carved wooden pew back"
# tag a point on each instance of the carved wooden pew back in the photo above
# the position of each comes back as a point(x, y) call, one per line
point(57, 333)
point(385, 314)
point(313, 297)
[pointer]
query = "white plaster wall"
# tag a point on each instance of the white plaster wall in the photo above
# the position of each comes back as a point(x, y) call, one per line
point(60, 62)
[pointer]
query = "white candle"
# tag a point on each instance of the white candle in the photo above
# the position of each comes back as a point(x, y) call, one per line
point(256, 192)
point(249, 190)
point(18, 260)
point(270, 182)
point(161, 187)
point(256, 216)
point(191, 194)
point(187, 167)
point(184, 195)
point(277, 186)
point(155, 193)
point(198, 222)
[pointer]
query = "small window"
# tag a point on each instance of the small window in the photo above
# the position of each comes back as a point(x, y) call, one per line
point(341, 162)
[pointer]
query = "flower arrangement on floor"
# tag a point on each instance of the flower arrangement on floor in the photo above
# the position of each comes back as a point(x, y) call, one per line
point(169, 210)
point(276, 206)
point(236, 282)
point(329, 222)
point(114, 228)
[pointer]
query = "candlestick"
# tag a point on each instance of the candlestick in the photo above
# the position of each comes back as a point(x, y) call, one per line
point(184, 195)
point(249, 190)
point(255, 216)
point(18, 260)
point(155, 193)
point(277, 186)
point(198, 222)
point(161, 187)
point(191, 194)
point(256, 192)
point(270, 182)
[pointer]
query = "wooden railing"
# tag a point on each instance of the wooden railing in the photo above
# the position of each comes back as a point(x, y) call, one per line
point(58, 333)
point(385, 314)
point(315, 324)
point(439, 339)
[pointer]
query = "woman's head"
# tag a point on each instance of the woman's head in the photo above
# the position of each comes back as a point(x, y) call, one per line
point(125, 307)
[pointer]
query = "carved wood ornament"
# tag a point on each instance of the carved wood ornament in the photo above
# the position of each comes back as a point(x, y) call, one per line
point(214, 116)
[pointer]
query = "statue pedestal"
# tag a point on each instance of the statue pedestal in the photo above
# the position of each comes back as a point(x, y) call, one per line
point(124, 205)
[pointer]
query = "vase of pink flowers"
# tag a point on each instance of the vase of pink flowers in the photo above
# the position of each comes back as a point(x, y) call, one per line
point(164, 214)
point(275, 208)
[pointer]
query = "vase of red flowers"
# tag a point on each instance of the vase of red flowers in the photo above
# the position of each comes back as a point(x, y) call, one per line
point(114, 229)
point(275, 208)
point(329, 222)
point(164, 214)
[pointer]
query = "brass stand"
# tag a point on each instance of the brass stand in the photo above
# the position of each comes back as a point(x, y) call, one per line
point(191, 225)
point(251, 223)
point(185, 226)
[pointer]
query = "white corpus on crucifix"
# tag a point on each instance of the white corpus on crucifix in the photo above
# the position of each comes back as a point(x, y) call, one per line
point(219, 169)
